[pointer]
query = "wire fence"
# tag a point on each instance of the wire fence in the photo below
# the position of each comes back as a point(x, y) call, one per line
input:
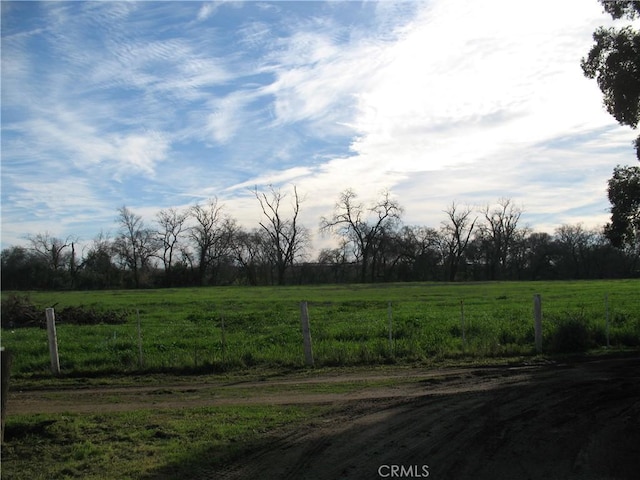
point(225, 336)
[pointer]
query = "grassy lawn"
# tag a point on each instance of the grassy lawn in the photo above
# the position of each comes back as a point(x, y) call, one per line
point(174, 443)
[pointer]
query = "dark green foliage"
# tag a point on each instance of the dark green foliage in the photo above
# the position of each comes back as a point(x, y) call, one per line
point(622, 8)
point(614, 61)
point(88, 316)
point(572, 335)
point(624, 195)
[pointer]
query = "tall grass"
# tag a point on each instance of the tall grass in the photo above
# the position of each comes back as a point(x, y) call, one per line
point(221, 328)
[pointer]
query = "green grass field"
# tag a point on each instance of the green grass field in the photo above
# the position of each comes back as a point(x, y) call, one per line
point(224, 328)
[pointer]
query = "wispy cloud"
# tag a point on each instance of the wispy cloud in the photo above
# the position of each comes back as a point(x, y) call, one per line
point(207, 10)
point(152, 103)
point(140, 152)
point(211, 7)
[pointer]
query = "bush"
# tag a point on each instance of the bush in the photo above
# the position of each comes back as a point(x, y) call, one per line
point(19, 312)
point(572, 335)
point(89, 316)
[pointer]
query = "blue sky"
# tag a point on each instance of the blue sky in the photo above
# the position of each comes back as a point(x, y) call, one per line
point(165, 104)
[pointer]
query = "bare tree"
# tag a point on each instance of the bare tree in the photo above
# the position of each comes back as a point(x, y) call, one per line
point(419, 249)
point(172, 227)
point(456, 232)
point(499, 233)
point(336, 256)
point(50, 249)
point(339, 261)
point(61, 265)
point(211, 235)
point(288, 239)
point(135, 245)
point(364, 227)
point(575, 245)
point(251, 252)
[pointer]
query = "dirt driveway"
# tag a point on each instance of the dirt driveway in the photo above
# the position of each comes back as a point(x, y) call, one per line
point(577, 419)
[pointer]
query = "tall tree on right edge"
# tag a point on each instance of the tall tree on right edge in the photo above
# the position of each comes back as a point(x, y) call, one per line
point(614, 61)
point(624, 195)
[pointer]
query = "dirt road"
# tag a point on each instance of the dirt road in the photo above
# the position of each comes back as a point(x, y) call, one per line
point(567, 421)
point(577, 419)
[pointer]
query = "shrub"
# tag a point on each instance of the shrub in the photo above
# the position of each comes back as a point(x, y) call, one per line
point(89, 316)
point(18, 311)
point(572, 335)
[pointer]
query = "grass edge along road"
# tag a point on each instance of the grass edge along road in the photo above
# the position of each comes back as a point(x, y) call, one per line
point(134, 444)
point(218, 329)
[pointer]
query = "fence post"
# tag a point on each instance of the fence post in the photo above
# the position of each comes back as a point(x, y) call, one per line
point(537, 316)
point(390, 316)
point(306, 334)
point(5, 365)
point(606, 308)
point(464, 338)
point(140, 362)
point(223, 339)
point(53, 341)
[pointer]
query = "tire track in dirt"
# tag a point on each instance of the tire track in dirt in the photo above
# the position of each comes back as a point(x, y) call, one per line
point(400, 383)
point(578, 420)
point(571, 422)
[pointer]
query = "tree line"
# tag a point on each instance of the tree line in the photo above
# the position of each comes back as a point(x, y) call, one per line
point(204, 245)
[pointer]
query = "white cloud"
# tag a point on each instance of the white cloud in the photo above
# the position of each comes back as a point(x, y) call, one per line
point(458, 89)
point(319, 78)
point(437, 101)
point(475, 97)
point(227, 115)
point(207, 10)
point(289, 176)
point(210, 8)
point(69, 206)
point(140, 152)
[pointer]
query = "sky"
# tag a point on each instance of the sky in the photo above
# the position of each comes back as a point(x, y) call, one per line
point(153, 105)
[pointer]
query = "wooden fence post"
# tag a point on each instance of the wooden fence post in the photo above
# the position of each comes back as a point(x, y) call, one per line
point(306, 334)
point(5, 365)
point(537, 316)
point(53, 341)
point(606, 308)
point(464, 337)
point(140, 360)
point(390, 316)
point(223, 339)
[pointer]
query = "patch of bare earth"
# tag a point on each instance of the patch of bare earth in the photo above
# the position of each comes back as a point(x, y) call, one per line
point(576, 420)
point(579, 421)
